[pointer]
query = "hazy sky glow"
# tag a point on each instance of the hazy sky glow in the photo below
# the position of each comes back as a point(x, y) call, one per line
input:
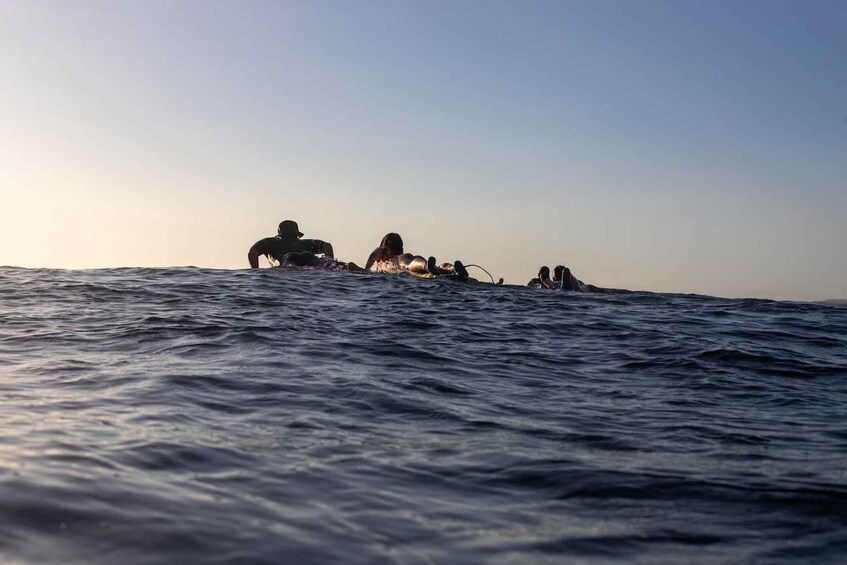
point(671, 146)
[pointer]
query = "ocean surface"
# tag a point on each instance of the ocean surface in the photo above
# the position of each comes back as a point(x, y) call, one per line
point(206, 416)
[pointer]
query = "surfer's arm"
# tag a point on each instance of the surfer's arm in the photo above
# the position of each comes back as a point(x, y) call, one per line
point(377, 254)
point(261, 247)
point(327, 250)
point(318, 246)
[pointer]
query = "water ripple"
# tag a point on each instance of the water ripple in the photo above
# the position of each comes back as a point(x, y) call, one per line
point(198, 415)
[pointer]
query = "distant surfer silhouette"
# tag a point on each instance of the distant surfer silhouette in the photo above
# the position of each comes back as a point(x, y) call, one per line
point(542, 280)
point(562, 279)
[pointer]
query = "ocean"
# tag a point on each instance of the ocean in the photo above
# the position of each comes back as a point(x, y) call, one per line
point(191, 415)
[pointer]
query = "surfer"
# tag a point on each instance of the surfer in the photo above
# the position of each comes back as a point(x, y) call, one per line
point(390, 258)
point(288, 240)
point(542, 280)
point(565, 280)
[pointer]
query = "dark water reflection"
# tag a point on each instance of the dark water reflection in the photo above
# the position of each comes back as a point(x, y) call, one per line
point(190, 415)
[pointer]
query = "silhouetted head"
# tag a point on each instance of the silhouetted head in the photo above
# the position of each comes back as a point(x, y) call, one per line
point(557, 272)
point(393, 242)
point(544, 272)
point(288, 228)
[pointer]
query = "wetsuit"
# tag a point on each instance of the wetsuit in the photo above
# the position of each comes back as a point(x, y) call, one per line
point(277, 247)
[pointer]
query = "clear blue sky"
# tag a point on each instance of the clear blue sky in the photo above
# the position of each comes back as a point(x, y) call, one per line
point(674, 146)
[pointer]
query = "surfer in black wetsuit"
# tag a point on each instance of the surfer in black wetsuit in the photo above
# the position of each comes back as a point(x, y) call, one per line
point(564, 279)
point(389, 257)
point(288, 241)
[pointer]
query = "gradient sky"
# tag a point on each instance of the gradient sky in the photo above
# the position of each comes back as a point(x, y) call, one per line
point(669, 146)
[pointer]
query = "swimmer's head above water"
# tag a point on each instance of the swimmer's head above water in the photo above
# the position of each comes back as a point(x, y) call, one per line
point(393, 242)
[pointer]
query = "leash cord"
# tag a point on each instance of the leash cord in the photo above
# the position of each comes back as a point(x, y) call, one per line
point(486, 272)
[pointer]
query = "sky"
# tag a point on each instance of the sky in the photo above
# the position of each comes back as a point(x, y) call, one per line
point(678, 146)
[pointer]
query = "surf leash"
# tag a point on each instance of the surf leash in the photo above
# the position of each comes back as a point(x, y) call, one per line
point(486, 272)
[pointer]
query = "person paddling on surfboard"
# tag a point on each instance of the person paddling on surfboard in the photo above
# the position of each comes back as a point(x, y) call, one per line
point(564, 279)
point(288, 240)
point(390, 258)
point(542, 280)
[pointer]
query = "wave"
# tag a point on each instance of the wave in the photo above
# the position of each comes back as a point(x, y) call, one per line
point(200, 415)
